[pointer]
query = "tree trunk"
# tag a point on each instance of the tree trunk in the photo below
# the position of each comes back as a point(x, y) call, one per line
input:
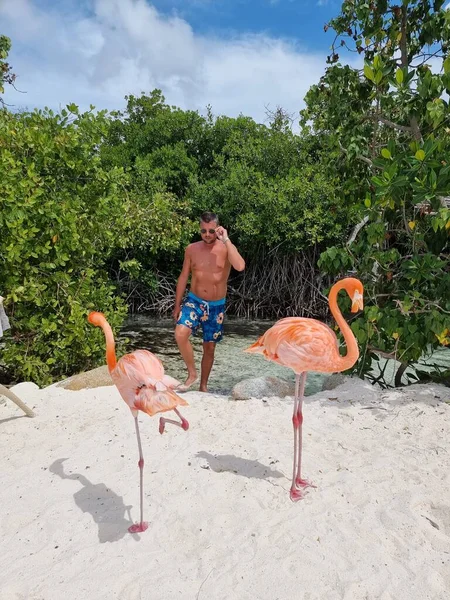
point(17, 401)
point(398, 376)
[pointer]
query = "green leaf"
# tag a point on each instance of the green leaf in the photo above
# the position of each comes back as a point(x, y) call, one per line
point(385, 153)
point(378, 77)
point(446, 65)
point(368, 72)
point(332, 252)
point(420, 155)
point(399, 76)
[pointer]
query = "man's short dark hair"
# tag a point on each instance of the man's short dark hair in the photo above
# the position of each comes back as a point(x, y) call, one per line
point(207, 217)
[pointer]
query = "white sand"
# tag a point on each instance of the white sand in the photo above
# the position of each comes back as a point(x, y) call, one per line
point(222, 525)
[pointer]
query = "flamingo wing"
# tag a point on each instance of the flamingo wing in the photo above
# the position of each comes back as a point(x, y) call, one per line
point(299, 343)
point(135, 370)
point(146, 363)
point(152, 401)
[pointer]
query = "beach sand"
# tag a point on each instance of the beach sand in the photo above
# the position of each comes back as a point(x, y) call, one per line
point(221, 524)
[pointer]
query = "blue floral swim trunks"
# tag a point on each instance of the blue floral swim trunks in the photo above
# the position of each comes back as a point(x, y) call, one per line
point(196, 312)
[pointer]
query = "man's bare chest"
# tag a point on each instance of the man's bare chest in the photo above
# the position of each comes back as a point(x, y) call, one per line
point(209, 262)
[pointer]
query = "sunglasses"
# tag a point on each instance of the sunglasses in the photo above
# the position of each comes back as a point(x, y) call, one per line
point(207, 231)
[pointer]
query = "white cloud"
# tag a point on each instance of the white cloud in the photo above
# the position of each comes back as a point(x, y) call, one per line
point(122, 47)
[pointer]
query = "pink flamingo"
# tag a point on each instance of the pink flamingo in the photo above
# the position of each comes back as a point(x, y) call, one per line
point(309, 345)
point(141, 382)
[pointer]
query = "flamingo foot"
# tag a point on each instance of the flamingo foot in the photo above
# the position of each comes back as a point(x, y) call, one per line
point(303, 483)
point(162, 424)
point(138, 527)
point(296, 494)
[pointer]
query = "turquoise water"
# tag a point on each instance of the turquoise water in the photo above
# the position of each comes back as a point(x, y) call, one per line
point(439, 360)
point(231, 364)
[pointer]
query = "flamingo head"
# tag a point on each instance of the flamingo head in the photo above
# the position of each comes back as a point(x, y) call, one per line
point(96, 318)
point(355, 290)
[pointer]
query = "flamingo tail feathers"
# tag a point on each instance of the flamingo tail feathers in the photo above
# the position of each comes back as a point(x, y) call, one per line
point(152, 401)
point(170, 382)
point(256, 348)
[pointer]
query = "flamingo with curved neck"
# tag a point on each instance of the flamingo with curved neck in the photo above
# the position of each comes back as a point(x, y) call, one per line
point(141, 382)
point(309, 345)
point(98, 319)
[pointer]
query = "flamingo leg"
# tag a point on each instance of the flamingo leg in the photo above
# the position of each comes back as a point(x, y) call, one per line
point(142, 526)
point(298, 483)
point(182, 423)
point(294, 492)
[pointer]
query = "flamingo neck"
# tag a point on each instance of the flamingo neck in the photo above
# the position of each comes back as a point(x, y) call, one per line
point(110, 346)
point(352, 355)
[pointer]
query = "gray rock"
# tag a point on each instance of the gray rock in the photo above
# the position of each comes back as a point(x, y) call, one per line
point(90, 379)
point(261, 387)
point(333, 380)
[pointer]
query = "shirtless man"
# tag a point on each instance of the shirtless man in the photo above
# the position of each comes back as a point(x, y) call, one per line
point(209, 262)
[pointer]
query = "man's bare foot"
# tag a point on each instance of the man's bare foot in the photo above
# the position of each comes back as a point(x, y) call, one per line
point(187, 384)
point(203, 388)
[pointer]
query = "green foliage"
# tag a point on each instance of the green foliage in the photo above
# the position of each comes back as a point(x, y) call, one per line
point(266, 188)
point(5, 70)
point(262, 182)
point(296, 211)
point(60, 215)
point(392, 118)
point(154, 143)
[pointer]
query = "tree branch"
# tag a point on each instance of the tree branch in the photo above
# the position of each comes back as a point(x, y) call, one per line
point(393, 125)
point(359, 157)
point(398, 376)
point(356, 230)
point(365, 159)
point(17, 401)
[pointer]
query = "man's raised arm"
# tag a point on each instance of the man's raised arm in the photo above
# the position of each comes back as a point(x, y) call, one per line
point(236, 260)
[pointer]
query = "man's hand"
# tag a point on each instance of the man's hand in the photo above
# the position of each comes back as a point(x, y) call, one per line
point(222, 234)
point(176, 313)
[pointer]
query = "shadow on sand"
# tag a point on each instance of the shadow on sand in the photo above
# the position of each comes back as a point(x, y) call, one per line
point(13, 418)
point(240, 466)
point(108, 510)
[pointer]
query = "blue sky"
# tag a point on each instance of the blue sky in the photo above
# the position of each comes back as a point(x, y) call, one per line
point(298, 20)
point(239, 56)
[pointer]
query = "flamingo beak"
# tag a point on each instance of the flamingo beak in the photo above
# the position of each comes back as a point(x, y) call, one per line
point(357, 302)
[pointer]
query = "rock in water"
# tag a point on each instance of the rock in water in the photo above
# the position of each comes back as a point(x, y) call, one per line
point(262, 387)
point(90, 379)
point(333, 380)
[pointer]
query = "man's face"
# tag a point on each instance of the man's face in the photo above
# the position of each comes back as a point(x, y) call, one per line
point(208, 231)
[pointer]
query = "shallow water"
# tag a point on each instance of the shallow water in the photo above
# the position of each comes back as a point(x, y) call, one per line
point(438, 361)
point(231, 364)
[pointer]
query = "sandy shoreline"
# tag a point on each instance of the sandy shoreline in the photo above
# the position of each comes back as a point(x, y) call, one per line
point(216, 498)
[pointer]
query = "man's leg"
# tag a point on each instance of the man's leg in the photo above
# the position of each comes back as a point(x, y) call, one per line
point(207, 362)
point(182, 334)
